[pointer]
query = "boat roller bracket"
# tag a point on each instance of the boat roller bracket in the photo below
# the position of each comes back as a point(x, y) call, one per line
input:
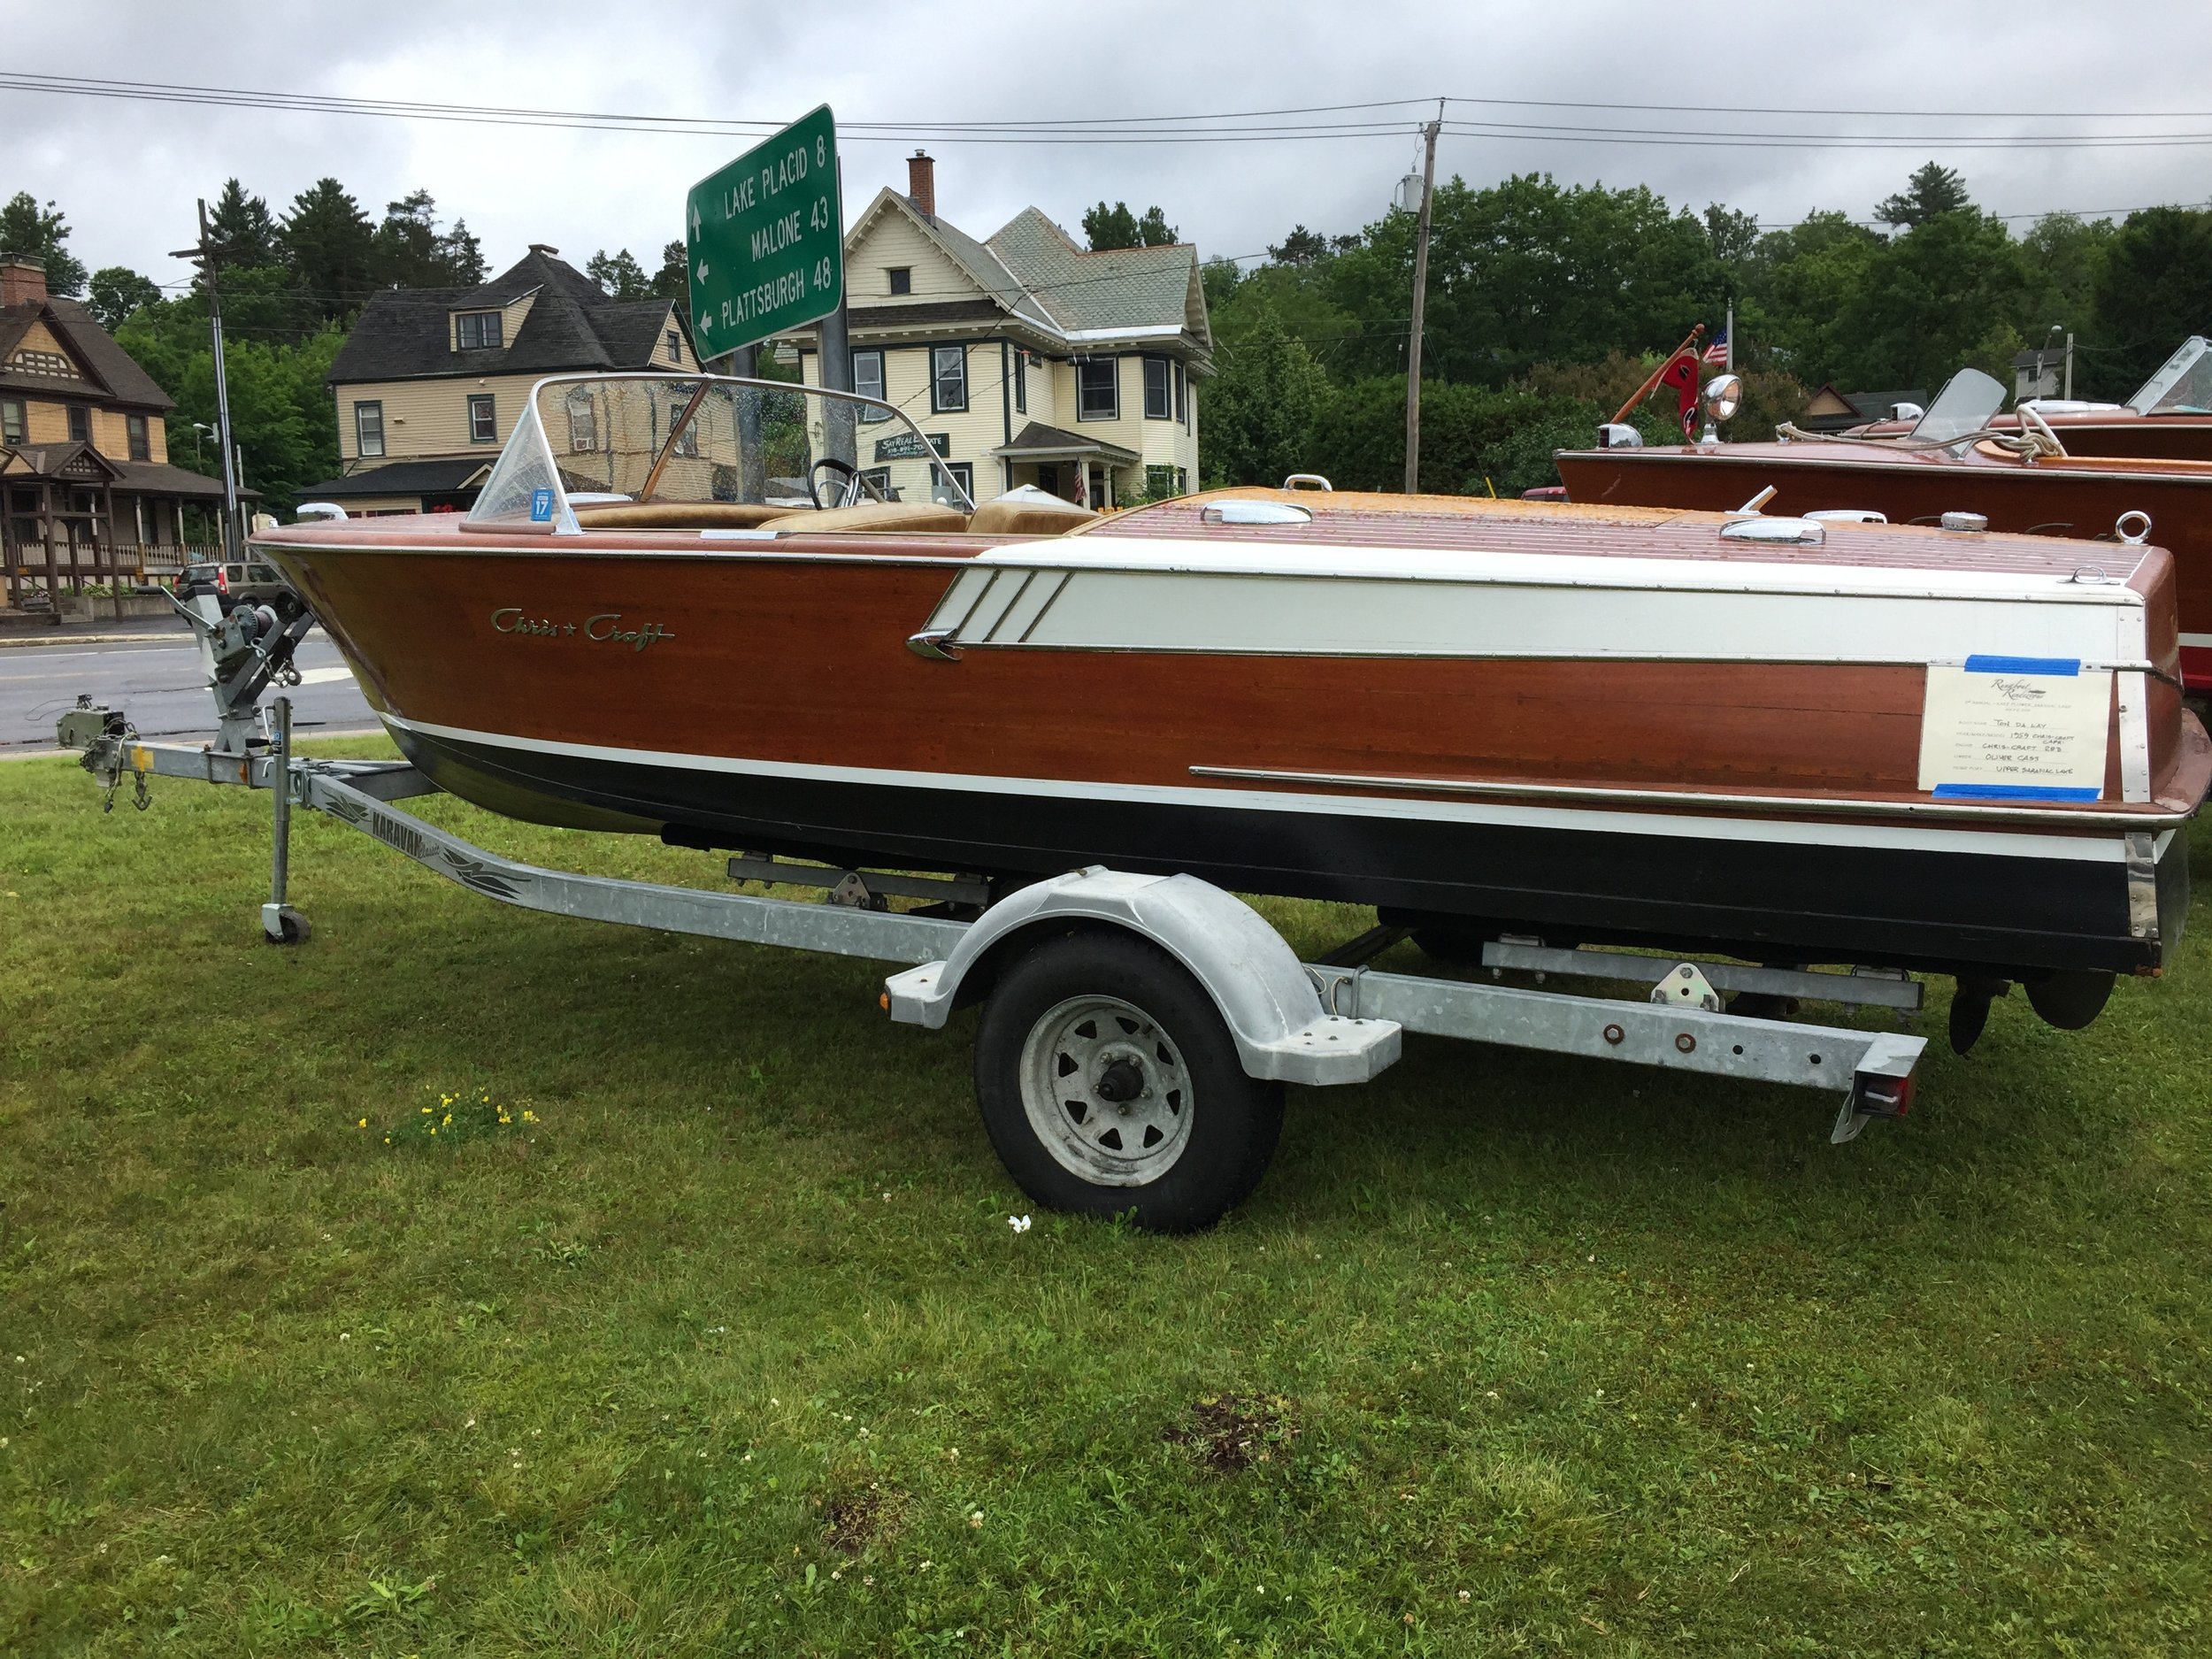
point(1685, 985)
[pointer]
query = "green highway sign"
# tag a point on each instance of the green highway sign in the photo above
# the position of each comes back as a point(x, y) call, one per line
point(765, 239)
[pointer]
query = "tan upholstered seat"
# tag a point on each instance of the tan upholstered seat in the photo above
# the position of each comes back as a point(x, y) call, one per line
point(1033, 514)
point(676, 515)
point(875, 516)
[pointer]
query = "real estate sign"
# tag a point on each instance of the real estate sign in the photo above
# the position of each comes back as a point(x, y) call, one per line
point(765, 239)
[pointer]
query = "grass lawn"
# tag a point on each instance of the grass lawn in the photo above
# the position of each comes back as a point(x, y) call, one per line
point(700, 1329)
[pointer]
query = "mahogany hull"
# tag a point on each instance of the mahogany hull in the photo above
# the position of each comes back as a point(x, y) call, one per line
point(2050, 499)
point(772, 701)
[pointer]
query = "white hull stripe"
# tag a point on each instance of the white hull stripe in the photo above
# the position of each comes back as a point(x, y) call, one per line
point(2108, 848)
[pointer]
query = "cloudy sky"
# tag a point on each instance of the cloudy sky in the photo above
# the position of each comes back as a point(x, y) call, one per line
point(126, 172)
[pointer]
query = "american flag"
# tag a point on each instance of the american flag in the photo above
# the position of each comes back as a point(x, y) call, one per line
point(1716, 355)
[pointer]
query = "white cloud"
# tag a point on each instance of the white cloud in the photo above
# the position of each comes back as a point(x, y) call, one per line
point(126, 172)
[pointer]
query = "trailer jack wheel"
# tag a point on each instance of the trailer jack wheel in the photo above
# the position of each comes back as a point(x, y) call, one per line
point(1109, 1086)
point(282, 925)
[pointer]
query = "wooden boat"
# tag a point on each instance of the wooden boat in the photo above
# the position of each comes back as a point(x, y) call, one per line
point(2169, 418)
point(1961, 456)
point(1591, 723)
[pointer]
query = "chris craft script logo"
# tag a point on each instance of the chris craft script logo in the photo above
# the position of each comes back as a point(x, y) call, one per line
point(606, 628)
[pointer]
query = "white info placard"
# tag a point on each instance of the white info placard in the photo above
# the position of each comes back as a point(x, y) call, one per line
point(2016, 728)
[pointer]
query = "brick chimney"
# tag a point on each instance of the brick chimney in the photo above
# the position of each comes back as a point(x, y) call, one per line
point(22, 279)
point(921, 183)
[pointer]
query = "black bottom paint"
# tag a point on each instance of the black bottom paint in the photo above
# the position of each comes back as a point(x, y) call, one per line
point(1770, 900)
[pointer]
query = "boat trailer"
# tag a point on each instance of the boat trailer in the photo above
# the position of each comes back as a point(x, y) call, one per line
point(1333, 1021)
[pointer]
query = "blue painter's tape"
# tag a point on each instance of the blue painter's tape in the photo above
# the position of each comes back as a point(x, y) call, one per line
point(2012, 791)
point(2024, 664)
point(541, 506)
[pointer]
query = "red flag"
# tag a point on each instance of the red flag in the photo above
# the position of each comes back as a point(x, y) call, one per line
point(1681, 373)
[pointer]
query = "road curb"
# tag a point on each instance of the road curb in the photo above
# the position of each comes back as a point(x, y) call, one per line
point(96, 639)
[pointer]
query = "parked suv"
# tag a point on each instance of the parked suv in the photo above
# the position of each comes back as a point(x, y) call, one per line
point(248, 582)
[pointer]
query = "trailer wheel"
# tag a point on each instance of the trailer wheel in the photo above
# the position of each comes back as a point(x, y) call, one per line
point(1108, 1084)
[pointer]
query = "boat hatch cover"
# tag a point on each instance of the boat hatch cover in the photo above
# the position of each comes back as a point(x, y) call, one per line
point(1255, 513)
point(1803, 531)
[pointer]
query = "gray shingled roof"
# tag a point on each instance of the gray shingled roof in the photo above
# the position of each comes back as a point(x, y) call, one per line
point(1125, 288)
point(400, 478)
point(402, 335)
point(112, 375)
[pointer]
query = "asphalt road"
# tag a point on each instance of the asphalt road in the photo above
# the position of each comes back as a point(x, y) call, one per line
point(156, 681)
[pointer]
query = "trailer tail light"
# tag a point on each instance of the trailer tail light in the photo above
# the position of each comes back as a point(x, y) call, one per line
point(222, 579)
point(1880, 1094)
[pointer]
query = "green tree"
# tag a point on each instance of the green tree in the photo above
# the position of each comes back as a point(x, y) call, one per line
point(1797, 285)
point(1933, 190)
point(1263, 407)
point(672, 281)
point(1116, 227)
point(1525, 271)
point(2153, 290)
point(281, 411)
point(240, 226)
point(41, 232)
point(620, 275)
point(116, 292)
point(330, 246)
point(1944, 295)
point(409, 252)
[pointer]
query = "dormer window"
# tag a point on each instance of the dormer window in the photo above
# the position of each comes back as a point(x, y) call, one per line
point(901, 279)
point(675, 343)
point(473, 331)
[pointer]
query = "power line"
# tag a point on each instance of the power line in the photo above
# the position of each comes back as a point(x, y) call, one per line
point(1228, 127)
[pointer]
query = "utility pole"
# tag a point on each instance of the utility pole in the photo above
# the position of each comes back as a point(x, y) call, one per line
point(208, 257)
point(1420, 302)
point(2070, 363)
point(840, 435)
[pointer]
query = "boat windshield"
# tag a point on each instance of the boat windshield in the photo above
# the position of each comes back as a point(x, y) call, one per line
point(2184, 386)
point(1962, 408)
point(729, 450)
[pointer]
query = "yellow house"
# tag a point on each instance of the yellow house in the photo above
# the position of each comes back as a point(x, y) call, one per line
point(85, 481)
point(430, 382)
point(1025, 358)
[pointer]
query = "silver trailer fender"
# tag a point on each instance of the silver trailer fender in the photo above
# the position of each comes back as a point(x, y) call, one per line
point(1265, 996)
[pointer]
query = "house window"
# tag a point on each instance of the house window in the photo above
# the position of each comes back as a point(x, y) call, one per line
point(1159, 389)
point(868, 381)
point(141, 446)
point(1021, 382)
point(901, 279)
point(583, 421)
point(1182, 396)
point(11, 420)
point(79, 423)
point(472, 331)
point(963, 474)
point(368, 429)
point(483, 427)
point(948, 379)
point(1160, 482)
point(879, 477)
point(675, 346)
point(1097, 388)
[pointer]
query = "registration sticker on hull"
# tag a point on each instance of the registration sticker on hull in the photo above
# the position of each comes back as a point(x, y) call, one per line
point(2015, 728)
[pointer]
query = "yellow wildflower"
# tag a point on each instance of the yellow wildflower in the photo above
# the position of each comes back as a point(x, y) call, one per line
point(364, 1123)
point(447, 1118)
point(528, 1116)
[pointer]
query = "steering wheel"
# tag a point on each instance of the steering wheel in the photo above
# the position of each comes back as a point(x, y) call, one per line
point(856, 483)
point(2032, 418)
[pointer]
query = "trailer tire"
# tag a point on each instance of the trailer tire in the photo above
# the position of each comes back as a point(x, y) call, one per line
point(1110, 1084)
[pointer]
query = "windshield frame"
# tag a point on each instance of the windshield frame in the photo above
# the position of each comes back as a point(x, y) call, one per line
point(2153, 391)
point(1943, 423)
point(528, 461)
